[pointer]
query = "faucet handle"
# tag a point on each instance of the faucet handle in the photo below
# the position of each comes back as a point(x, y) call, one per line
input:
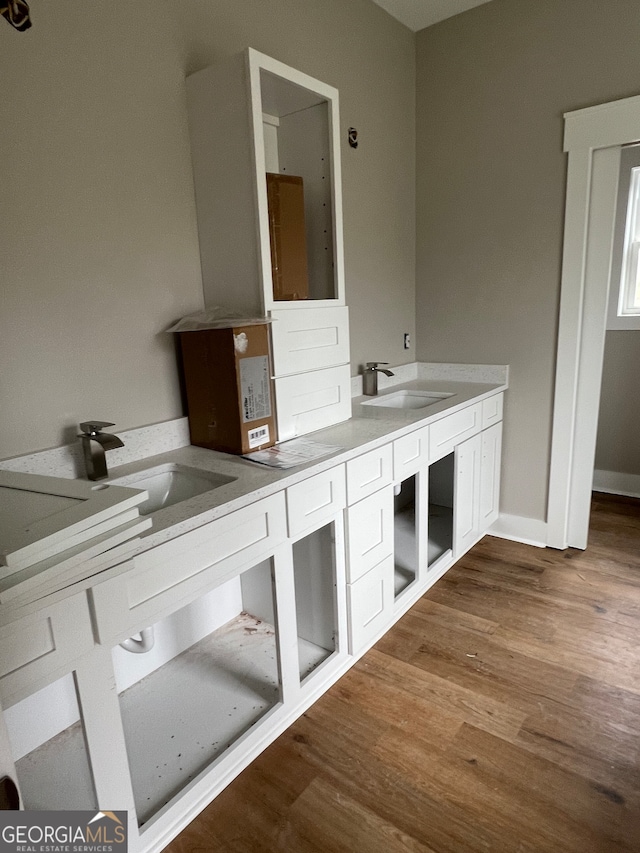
point(93, 427)
point(372, 365)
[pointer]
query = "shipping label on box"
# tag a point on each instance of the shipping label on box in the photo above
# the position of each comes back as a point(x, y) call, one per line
point(255, 388)
point(229, 388)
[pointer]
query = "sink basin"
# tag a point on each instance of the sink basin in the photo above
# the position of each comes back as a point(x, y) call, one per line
point(170, 484)
point(408, 399)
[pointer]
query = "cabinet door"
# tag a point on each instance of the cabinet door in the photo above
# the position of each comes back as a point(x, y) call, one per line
point(311, 401)
point(467, 495)
point(490, 476)
point(309, 339)
point(369, 533)
point(370, 602)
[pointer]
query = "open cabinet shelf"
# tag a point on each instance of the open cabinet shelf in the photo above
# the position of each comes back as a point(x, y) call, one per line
point(183, 716)
point(314, 574)
point(440, 542)
point(406, 554)
point(440, 531)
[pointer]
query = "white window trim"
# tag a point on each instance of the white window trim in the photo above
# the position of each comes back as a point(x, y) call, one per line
point(624, 262)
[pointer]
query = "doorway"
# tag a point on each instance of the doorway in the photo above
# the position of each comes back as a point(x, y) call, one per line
point(593, 140)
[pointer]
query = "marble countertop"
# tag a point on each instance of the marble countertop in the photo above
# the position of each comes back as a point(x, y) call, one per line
point(369, 427)
point(167, 443)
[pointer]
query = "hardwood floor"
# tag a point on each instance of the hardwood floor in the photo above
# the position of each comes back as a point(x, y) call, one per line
point(502, 714)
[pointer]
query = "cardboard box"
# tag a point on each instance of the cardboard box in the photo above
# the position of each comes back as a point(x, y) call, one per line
point(230, 394)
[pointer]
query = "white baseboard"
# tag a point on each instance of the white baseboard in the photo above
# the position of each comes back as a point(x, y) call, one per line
point(529, 531)
point(616, 483)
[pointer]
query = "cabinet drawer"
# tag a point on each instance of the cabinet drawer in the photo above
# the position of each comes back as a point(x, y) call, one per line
point(454, 429)
point(369, 533)
point(169, 575)
point(38, 647)
point(309, 339)
point(370, 604)
point(312, 401)
point(410, 453)
point(492, 410)
point(315, 501)
point(368, 473)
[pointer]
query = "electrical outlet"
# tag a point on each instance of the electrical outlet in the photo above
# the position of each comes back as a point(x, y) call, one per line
point(407, 340)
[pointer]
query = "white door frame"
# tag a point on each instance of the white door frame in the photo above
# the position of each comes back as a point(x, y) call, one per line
point(593, 138)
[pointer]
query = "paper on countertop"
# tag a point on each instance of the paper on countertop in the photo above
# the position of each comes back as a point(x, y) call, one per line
point(297, 451)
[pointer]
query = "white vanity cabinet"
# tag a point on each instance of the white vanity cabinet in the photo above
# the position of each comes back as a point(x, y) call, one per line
point(415, 506)
point(252, 616)
point(217, 601)
point(266, 162)
point(248, 615)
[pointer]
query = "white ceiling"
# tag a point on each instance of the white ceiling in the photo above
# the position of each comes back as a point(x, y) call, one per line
point(418, 14)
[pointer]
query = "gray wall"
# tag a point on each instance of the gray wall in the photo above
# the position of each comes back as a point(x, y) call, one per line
point(98, 239)
point(618, 447)
point(492, 85)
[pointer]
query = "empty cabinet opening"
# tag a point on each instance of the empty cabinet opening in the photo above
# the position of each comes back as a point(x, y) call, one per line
point(440, 521)
point(212, 673)
point(297, 141)
point(405, 536)
point(48, 748)
point(314, 573)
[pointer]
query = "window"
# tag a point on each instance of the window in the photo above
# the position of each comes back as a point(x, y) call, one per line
point(624, 297)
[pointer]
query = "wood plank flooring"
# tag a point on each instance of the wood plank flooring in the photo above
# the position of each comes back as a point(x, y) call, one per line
point(502, 714)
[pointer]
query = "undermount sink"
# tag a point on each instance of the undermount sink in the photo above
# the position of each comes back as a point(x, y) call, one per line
point(408, 399)
point(170, 484)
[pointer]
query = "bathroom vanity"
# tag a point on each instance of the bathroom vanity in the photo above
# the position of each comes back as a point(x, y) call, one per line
point(261, 593)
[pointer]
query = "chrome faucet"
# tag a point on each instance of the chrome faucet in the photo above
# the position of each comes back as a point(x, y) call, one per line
point(94, 445)
point(370, 377)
